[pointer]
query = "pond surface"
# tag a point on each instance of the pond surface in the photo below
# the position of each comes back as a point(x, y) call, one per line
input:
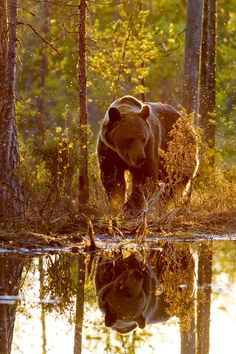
point(169, 296)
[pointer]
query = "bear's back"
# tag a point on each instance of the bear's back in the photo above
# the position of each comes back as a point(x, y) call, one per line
point(166, 116)
point(127, 103)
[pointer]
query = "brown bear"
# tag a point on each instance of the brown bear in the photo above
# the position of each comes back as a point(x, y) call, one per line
point(130, 137)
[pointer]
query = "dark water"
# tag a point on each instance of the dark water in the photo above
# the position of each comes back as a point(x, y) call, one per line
point(171, 296)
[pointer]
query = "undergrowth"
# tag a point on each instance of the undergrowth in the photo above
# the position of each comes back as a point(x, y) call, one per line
point(50, 177)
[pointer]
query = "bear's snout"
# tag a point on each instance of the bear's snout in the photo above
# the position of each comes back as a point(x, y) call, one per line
point(135, 161)
point(140, 161)
point(137, 274)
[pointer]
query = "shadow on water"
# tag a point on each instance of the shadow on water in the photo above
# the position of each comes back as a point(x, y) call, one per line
point(166, 296)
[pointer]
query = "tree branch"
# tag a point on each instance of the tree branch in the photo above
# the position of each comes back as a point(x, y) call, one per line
point(40, 36)
point(57, 3)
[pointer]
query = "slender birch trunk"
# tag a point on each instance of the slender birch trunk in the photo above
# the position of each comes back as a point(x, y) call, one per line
point(83, 195)
point(79, 305)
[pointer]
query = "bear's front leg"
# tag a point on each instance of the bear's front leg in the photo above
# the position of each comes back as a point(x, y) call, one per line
point(114, 184)
point(112, 170)
point(136, 203)
point(143, 187)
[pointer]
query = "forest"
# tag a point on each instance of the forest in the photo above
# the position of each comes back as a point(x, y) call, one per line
point(62, 63)
point(76, 271)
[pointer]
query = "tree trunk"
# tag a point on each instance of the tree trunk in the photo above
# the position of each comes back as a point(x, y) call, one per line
point(43, 68)
point(11, 197)
point(83, 195)
point(190, 103)
point(188, 338)
point(192, 55)
point(208, 73)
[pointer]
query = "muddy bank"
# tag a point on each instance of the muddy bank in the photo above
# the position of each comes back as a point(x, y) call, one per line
point(75, 235)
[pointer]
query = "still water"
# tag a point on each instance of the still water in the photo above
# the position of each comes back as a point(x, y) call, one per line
point(175, 297)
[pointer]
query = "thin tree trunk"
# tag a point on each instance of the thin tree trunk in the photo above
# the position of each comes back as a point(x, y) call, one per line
point(208, 73)
point(79, 305)
point(188, 338)
point(204, 298)
point(203, 95)
point(192, 55)
point(43, 68)
point(11, 197)
point(83, 195)
point(43, 312)
point(142, 81)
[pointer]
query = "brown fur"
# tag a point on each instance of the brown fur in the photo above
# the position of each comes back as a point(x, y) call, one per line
point(131, 135)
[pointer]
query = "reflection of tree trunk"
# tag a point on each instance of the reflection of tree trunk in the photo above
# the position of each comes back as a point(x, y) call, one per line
point(204, 298)
point(10, 275)
point(79, 305)
point(135, 339)
point(43, 314)
point(188, 342)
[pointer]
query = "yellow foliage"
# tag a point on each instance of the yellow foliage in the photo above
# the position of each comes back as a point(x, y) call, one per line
point(180, 159)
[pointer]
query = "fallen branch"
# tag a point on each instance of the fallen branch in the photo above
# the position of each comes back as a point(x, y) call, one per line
point(155, 199)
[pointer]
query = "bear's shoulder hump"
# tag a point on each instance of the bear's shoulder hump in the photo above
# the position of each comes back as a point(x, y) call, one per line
point(127, 101)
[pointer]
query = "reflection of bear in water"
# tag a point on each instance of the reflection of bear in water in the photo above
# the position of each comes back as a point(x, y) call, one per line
point(131, 134)
point(131, 293)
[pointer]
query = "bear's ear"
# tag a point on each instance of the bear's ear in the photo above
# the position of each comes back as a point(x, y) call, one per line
point(113, 114)
point(141, 322)
point(145, 112)
point(110, 319)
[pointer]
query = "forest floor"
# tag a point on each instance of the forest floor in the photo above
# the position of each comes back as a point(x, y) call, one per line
point(75, 234)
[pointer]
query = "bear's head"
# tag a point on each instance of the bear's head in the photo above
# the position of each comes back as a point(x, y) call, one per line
point(123, 301)
point(127, 132)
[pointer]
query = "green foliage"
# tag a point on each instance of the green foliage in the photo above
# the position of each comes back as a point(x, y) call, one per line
point(131, 49)
point(128, 54)
point(47, 81)
point(125, 63)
